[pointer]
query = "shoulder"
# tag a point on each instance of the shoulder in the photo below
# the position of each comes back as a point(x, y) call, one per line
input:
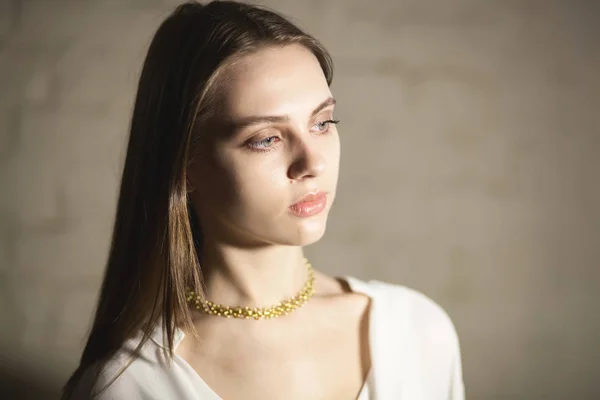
point(147, 373)
point(422, 311)
point(108, 381)
point(424, 320)
point(426, 335)
point(123, 376)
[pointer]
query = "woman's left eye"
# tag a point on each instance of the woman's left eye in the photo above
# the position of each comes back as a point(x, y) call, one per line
point(323, 126)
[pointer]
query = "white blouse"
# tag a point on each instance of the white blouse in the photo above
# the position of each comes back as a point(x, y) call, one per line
point(415, 355)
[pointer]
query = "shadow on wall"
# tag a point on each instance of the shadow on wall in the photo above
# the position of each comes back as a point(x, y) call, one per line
point(17, 382)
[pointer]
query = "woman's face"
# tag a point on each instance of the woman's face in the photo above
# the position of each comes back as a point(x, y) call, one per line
point(269, 146)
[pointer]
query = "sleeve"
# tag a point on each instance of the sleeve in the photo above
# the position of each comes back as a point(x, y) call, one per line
point(457, 386)
point(107, 385)
point(437, 348)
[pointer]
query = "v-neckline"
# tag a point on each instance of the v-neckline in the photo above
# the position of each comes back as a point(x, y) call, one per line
point(355, 285)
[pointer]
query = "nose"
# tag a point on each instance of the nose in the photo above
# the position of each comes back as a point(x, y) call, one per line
point(307, 161)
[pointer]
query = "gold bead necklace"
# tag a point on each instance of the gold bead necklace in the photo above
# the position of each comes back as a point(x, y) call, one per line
point(282, 308)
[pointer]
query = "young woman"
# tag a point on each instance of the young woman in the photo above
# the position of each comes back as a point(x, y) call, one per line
point(231, 170)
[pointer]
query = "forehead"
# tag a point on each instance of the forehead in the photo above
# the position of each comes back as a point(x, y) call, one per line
point(275, 81)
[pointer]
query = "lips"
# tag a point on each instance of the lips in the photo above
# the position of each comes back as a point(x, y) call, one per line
point(310, 204)
point(310, 197)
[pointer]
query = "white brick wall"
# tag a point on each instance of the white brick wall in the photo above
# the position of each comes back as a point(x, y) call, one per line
point(470, 137)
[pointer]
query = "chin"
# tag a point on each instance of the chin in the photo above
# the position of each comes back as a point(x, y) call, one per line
point(308, 231)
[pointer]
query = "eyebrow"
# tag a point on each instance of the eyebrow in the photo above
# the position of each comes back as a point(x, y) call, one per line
point(248, 121)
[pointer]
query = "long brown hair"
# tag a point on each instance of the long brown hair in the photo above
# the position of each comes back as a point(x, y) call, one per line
point(154, 254)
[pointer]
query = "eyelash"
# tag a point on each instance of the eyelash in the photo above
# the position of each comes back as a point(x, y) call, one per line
point(254, 145)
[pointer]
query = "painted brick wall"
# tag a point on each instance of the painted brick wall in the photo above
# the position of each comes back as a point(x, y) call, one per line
point(470, 171)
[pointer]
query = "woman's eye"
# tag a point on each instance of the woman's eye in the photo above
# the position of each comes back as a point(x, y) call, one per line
point(264, 144)
point(323, 126)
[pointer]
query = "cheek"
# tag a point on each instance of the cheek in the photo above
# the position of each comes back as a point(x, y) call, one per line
point(261, 183)
point(337, 150)
point(215, 183)
point(245, 185)
point(333, 155)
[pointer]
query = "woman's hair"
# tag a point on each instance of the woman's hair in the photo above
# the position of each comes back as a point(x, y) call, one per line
point(154, 253)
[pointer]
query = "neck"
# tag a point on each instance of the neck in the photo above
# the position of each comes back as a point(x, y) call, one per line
point(252, 277)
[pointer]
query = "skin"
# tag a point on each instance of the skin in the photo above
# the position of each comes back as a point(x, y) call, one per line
point(242, 183)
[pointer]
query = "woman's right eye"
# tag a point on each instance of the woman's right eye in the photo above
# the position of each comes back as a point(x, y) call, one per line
point(264, 144)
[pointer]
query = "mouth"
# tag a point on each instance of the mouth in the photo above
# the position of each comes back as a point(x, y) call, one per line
point(310, 204)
